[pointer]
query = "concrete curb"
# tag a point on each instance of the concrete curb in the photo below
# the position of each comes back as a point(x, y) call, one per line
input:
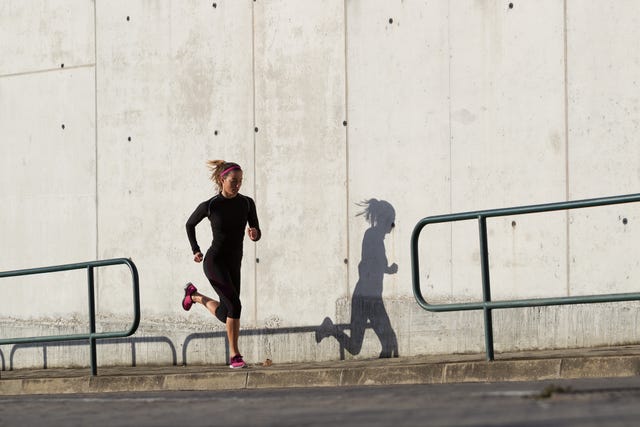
point(356, 373)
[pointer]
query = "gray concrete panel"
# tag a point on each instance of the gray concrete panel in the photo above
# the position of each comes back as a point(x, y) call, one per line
point(300, 159)
point(507, 126)
point(603, 244)
point(398, 134)
point(603, 98)
point(603, 106)
point(38, 35)
point(47, 186)
point(173, 78)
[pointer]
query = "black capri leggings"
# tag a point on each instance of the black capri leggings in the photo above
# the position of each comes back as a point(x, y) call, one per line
point(224, 276)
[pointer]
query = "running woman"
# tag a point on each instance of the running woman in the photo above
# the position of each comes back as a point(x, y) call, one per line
point(229, 213)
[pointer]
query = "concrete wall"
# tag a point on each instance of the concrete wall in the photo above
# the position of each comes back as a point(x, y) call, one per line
point(109, 110)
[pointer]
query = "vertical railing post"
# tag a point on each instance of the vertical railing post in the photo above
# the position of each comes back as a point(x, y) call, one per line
point(92, 321)
point(486, 287)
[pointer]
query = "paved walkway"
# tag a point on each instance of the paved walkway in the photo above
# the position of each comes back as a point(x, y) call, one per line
point(620, 361)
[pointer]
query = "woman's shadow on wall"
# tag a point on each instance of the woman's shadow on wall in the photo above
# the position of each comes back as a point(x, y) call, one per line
point(367, 306)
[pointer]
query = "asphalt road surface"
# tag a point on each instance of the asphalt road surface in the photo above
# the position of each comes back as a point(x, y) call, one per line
point(584, 403)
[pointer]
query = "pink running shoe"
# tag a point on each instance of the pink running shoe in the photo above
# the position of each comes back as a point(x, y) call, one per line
point(189, 290)
point(237, 362)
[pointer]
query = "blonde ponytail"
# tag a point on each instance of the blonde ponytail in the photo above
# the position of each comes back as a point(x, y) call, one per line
point(218, 168)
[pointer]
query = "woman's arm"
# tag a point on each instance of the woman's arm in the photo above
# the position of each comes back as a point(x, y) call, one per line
point(198, 215)
point(253, 231)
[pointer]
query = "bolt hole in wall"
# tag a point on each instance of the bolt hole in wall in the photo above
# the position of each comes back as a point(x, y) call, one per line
point(128, 18)
point(510, 5)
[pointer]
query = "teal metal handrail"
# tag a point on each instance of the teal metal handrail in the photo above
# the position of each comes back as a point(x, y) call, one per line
point(92, 336)
point(486, 304)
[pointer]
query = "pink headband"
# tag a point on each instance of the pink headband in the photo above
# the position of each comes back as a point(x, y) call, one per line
point(229, 169)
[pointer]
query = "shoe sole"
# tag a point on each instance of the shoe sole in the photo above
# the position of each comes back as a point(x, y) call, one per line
point(185, 295)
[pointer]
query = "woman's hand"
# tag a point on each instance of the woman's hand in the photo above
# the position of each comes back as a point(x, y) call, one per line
point(197, 257)
point(392, 269)
point(252, 233)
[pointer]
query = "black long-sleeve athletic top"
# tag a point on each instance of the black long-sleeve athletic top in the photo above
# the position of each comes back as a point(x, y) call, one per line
point(229, 218)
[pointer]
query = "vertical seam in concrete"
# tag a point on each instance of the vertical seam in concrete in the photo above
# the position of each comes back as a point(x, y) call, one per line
point(566, 143)
point(95, 100)
point(346, 146)
point(450, 147)
point(255, 172)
